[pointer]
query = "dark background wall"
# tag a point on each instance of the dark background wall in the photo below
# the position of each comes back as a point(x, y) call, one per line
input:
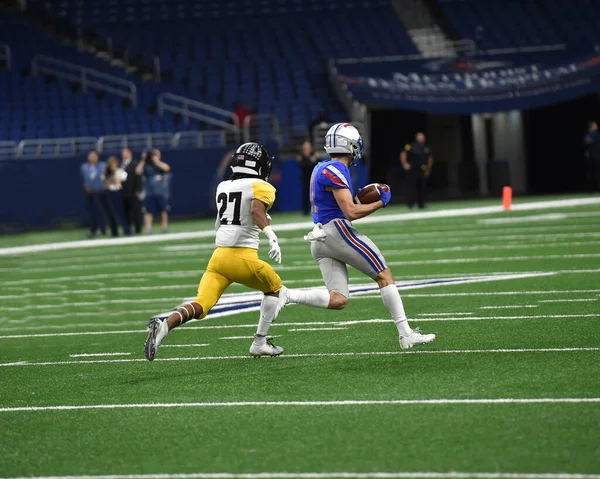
point(553, 146)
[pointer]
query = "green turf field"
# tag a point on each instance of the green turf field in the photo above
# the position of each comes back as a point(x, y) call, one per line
point(511, 384)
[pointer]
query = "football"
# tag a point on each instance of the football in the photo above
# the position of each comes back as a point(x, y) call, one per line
point(370, 193)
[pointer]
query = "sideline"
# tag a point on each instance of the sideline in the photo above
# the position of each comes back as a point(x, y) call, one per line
point(304, 225)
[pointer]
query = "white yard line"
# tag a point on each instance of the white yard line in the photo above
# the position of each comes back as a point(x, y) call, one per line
point(191, 325)
point(92, 355)
point(540, 217)
point(333, 475)
point(292, 252)
point(317, 329)
point(192, 285)
point(306, 355)
point(183, 345)
point(365, 402)
point(305, 225)
point(308, 264)
point(512, 306)
point(567, 300)
point(444, 314)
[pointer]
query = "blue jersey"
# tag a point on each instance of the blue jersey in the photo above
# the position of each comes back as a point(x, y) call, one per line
point(328, 175)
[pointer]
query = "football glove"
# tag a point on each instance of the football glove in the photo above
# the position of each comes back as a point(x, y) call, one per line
point(274, 249)
point(384, 196)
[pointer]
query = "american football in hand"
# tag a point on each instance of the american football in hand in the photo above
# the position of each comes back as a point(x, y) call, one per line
point(370, 193)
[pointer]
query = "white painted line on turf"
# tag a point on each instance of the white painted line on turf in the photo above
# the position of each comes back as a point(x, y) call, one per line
point(183, 345)
point(307, 355)
point(192, 327)
point(365, 402)
point(317, 329)
point(304, 225)
point(540, 217)
point(333, 475)
point(444, 314)
point(566, 300)
point(512, 306)
point(91, 355)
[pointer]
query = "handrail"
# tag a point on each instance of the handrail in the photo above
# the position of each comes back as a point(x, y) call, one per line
point(253, 125)
point(86, 77)
point(53, 147)
point(145, 141)
point(57, 146)
point(198, 137)
point(416, 56)
point(5, 54)
point(183, 104)
point(8, 149)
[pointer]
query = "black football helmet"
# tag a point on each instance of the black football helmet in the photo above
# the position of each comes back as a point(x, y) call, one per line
point(251, 160)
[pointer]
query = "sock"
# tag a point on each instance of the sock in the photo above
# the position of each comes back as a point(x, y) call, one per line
point(317, 298)
point(393, 302)
point(268, 306)
point(162, 332)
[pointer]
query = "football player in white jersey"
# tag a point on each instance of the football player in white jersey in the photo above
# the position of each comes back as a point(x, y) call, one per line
point(242, 203)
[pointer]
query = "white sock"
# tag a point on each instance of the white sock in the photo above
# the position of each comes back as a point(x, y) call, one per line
point(268, 307)
point(393, 302)
point(162, 332)
point(317, 298)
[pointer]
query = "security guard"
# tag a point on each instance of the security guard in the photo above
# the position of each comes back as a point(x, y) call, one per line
point(417, 161)
point(592, 146)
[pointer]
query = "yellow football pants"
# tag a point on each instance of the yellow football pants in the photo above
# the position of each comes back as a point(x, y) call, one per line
point(235, 265)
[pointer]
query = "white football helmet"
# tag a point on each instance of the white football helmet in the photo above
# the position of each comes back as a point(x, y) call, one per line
point(344, 138)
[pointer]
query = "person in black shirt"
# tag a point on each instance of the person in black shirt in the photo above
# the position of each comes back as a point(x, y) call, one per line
point(592, 146)
point(306, 160)
point(417, 161)
point(131, 190)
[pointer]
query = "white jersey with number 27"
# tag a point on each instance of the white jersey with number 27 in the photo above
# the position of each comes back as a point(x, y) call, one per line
point(235, 227)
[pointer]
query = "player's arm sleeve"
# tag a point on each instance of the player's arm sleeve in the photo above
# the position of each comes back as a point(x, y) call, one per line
point(332, 177)
point(263, 192)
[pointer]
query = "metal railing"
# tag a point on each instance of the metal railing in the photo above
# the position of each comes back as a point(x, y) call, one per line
point(5, 54)
point(188, 108)
point(8, 149)
point(139, 141)
point(55, 147)
point(86, 77)
point(52, 147)
point(492, 51)
point(261, 128)
point(200, 139)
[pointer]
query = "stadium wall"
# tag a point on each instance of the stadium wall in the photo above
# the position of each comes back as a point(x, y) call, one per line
point(47, 192)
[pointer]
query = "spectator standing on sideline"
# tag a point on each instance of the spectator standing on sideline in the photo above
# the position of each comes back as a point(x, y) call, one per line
point(306, 160)
point(417, 161)
point(592, 146)
point(154, 171)
point(113, 177)
point(131, 190)
point(96, 201)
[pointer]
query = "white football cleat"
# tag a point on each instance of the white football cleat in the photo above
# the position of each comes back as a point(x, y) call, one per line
point(415, 339)
point(265, 349)
point(283, 300)
point(157, 330)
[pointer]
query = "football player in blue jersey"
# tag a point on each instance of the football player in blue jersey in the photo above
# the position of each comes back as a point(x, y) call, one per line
point(335, 243)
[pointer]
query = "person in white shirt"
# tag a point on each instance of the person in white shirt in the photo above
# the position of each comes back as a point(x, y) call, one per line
point(113, 177)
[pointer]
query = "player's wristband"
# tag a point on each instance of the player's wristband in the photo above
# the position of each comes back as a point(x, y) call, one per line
point(269, 233)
